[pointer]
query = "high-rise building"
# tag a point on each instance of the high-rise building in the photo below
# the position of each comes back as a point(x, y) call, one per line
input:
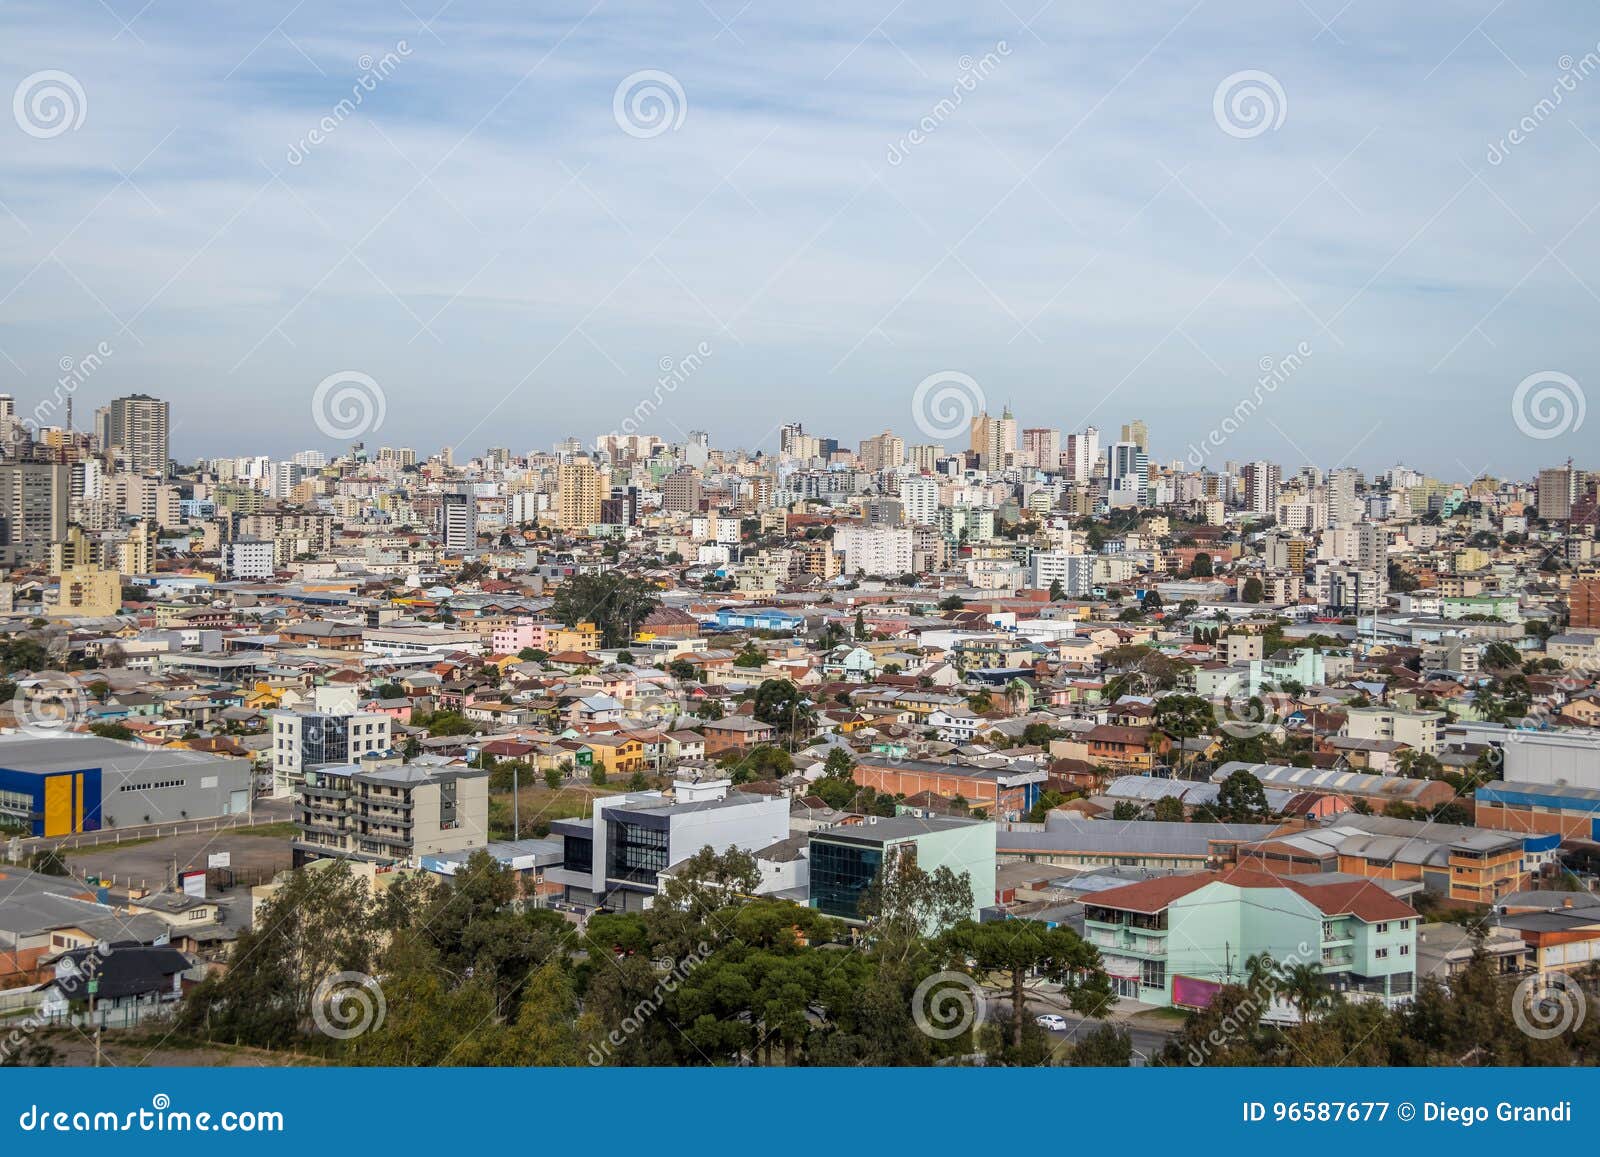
point(33, 510)
point(921, 499)
point(1261, 482)
point(458, 520)
point(1583, 603)
point(681, 491)
point(1557, 488)
point(883, 452)
point(136, 429)
point(1344, 508)
point(994, 440)
point(1127, 475)
point(1082, 453)
point(1041, 445)
point(1138, 433)
point(577, 493)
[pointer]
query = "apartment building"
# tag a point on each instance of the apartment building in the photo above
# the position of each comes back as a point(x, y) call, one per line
point(389, 815)
point(1419, 730)
point(1176, 941)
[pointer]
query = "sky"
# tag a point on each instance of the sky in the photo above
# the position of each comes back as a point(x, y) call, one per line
point(508, 218)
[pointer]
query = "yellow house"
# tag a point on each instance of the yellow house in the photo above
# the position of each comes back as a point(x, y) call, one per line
point(616, 753)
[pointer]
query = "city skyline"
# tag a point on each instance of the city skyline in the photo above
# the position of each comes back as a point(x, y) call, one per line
point(475, 211)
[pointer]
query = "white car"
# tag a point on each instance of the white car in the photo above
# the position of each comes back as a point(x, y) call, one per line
point(1051, 1021)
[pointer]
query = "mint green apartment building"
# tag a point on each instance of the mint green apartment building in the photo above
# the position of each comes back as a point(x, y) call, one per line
point(1175, 940)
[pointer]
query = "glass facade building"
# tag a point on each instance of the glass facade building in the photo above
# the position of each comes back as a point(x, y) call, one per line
point(841, 873)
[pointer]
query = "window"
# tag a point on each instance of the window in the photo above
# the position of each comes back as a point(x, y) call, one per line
point(1382, 928)
point(1404, 924)
point(1381, 953)
point(1405, 950)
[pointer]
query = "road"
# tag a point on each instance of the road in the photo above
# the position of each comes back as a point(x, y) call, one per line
point(1149, 1036)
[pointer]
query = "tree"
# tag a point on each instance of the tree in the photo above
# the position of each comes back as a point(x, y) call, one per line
point(953, 603)
point(1303, 987)
point(1168, 809)
point(1108, 1046)
point(1057, 591)
point(861, 626)
point(1201, 567)
point(1020, 948)
point(840, 763)
point(781, 704)
point(1241, 799)
point(316, 925)
point(1047, 802)
point(111, 731)
point(1253, 590)
point(1125, 809)
point(552, 778)
point(614, 603)
point(905, 905)
point(750, 657)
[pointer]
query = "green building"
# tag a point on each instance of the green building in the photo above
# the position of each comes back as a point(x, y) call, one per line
point(845, 859)
point(1175, 940)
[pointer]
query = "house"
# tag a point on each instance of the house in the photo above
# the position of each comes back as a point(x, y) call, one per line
point(135, 978)
point(736, 733)
point(1134, 749)
point(956, 724)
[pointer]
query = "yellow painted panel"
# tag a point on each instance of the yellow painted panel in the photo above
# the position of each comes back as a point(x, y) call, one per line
point(58, 805)
point(77, 802)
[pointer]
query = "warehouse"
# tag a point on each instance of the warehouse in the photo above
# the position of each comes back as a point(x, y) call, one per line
point(67, 784)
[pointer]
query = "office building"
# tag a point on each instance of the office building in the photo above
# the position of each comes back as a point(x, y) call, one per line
point(613, 859)
point(845, 860)
point(304, 741)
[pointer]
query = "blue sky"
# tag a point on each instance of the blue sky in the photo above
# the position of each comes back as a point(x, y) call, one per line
point(1079, 234)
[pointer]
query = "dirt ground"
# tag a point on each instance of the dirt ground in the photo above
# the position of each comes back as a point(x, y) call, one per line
point(149, 863)
point(70, 1048)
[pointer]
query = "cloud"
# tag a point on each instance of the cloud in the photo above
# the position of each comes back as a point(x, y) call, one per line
point(1077, 232)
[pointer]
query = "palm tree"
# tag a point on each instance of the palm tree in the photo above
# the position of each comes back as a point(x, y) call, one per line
point(1260, 971)
point(1303, 988)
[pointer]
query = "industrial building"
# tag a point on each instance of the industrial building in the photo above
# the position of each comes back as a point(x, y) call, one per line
point(63, 785)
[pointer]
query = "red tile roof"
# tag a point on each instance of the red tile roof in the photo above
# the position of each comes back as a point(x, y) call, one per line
point(1362, 898)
